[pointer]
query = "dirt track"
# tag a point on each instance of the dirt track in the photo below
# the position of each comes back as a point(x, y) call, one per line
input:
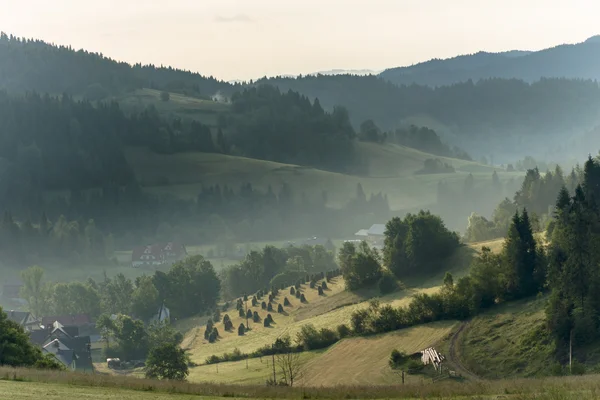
point(454, 358)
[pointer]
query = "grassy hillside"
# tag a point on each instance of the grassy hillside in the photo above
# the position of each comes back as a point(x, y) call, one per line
point(508, 341)
point(391, 170)
point(205, 111)
point(364, 361)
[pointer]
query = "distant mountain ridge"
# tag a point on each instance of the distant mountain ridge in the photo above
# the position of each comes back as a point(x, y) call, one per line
point(573, 61)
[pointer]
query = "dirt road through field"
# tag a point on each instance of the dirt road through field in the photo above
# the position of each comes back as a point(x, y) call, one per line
point(454, 358)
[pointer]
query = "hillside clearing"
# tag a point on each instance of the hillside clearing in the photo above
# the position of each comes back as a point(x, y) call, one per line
point(184, 174)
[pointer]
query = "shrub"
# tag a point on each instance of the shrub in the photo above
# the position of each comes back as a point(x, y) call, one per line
point(280, 308)
point(263, 305)
point(242, 313)
point(217, 316)
point(213, 336)
point(249, 314)
point(397, 359)
point(388, 283)
point(226, 318)
point(245, 298)
point(286, 302)
point(241, 330)
point(270, 318)
point(343, 331)
point(256, 317)
point(254, 301)
point(324, 285)
point(577, 368)
point(270, 298)
point(239, 304)
point(292, 291)
point(320, 290)
point(312, 339)
point(269, 307)
point(414, 366)
point(298, 294)
point(266, 323)
point(313, 284)
point(302, 298)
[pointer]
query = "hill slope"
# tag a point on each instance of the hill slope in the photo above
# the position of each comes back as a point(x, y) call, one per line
point(391, 171)
point(577, 61)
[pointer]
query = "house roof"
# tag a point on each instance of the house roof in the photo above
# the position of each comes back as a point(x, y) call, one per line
point(38, 337)
point(20, 317)
point(377, 230)
point(64, 356)
point(157, 250)
point(362, 232)
point(68, 320)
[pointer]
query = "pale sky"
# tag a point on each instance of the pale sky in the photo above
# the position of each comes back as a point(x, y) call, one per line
point(244, 39)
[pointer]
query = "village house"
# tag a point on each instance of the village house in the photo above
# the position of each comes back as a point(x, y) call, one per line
point(25, 319)
point(375, 235)
point(78, 320)
point(64, 342)
point(157, 254)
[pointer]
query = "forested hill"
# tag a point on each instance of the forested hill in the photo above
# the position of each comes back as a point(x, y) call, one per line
point(34, 65)
point(578, 61)
point(507, 118)
point(493, 115)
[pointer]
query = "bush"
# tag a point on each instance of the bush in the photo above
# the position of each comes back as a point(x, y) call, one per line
point(397, 359)
point(241, 330)
point(217, 316)
point(298, 294)
point(388, 283)
point(320, 290)
point(286, 302)
point(256, 317)
point(242, 313)
point(324, 285)
point(263, 305)
point(577, 368)
point(302, 298)
point(270, 318)
point(414, 366)
point(249, 314)
point(292, 291)
point(271, 298)
point(343, 331)
point(254, 301)
point(266, 323)
point(313, 284)
point(312, 339)
point(280, 308)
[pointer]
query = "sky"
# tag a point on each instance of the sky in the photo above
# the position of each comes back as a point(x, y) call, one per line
point(248, 39)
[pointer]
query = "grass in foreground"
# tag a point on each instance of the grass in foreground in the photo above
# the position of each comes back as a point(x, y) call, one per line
point(29, 384)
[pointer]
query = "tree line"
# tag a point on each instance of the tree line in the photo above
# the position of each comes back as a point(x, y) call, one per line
point(34, 65)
